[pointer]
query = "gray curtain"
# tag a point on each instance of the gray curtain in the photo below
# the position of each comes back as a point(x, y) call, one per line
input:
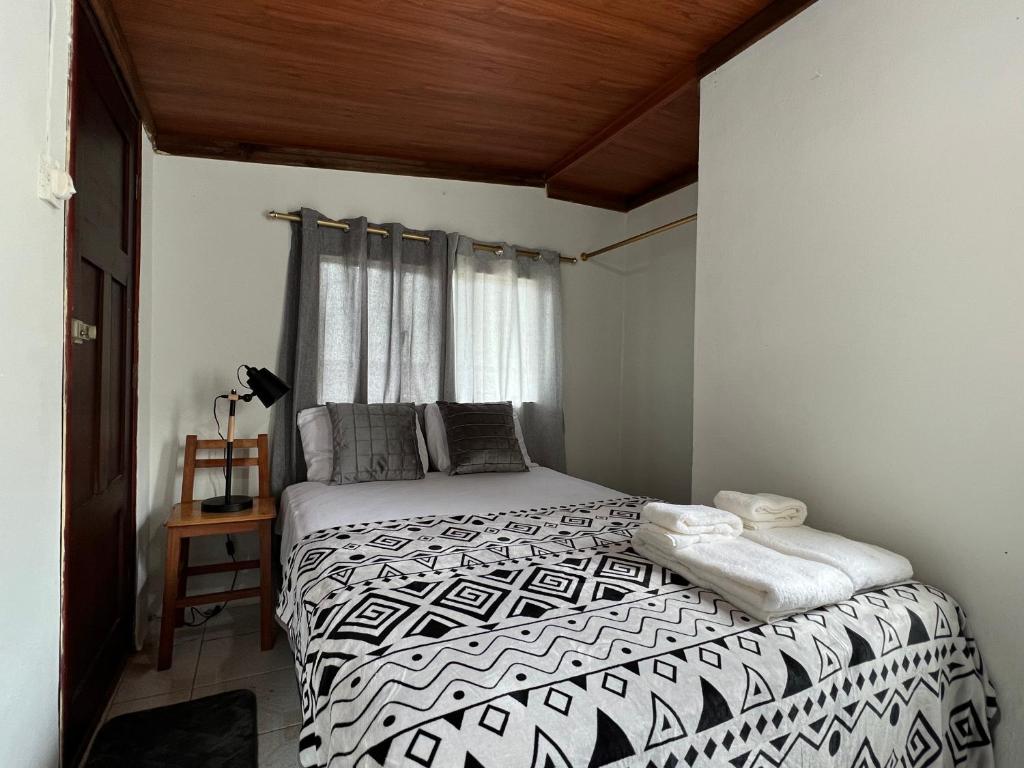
point(505, 339)
point(364, 321)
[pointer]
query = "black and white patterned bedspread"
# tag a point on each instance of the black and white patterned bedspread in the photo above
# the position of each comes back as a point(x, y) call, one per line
point(539, 638)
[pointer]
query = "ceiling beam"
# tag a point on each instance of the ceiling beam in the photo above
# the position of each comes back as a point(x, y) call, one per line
point(662, 188)
point(749, 32)
point(597, 199)
point(201, 146)
point(114, 36)
point(653, 101)
point(758, 26)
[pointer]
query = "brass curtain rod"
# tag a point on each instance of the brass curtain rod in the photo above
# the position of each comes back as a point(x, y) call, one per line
point(642, 236)
point(410, 235)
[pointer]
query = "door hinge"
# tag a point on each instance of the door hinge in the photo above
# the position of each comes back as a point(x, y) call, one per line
point(82, 332)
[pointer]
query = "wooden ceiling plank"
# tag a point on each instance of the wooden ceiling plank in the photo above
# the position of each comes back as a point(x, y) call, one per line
point(306, 83)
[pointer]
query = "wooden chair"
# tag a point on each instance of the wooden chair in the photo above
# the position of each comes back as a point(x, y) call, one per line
point(187, 521)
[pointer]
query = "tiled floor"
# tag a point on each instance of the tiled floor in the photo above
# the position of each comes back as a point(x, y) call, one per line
point(222, 656)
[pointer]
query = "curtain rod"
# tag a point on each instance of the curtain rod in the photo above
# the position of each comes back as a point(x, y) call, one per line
point(409, 235)
point(496, 248)
point(642, 236)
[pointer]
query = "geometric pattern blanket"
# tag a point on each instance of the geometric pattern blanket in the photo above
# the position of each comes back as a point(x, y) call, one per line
point(538, 638)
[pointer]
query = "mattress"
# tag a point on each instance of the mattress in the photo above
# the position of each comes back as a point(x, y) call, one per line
point(310, 507)
point(533, 635)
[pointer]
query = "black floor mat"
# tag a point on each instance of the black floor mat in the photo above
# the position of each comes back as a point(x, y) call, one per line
point(215, 732)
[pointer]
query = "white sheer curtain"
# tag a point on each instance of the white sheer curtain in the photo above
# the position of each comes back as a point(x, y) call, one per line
point(505, 341)
point(382, 321)
point(365, 321)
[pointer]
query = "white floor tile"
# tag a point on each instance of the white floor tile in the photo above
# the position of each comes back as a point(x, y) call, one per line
point(238, 656)
point(237, 618)
point(141, 680)
point(181, 634)
point(277, 697)
point(280, 749)
point(150, 702)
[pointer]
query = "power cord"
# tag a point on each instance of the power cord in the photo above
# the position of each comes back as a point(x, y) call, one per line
point(229, 543)
point(216, 419)
point(197, 616)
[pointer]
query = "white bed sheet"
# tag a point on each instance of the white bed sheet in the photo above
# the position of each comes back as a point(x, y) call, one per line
point(310, 507)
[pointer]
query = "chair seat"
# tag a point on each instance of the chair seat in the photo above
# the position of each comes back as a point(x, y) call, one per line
point(192, 514)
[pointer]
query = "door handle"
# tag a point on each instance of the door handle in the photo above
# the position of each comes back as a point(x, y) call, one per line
point(82, 332)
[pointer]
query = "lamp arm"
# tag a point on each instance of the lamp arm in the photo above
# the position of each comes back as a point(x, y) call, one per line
point(229, 449)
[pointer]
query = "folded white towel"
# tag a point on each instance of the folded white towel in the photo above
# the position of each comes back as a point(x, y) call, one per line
point(761, 511)
point(760, 581)
point(866, 565)
point(691, 518)
point(675, 540)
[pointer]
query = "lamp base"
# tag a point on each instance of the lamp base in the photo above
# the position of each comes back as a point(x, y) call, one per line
point(227, 503)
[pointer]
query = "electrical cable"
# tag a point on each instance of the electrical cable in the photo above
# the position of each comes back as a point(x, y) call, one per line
point(209, 613)
point(229, 542)
point(215, 419)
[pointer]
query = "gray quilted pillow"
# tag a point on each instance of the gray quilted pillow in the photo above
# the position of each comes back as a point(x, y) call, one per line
point(374, 442)
point(481, 438)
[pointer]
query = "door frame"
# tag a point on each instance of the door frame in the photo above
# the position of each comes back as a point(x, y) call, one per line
point(82, 13)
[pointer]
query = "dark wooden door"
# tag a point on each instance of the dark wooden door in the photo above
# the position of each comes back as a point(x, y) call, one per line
point(99, 525)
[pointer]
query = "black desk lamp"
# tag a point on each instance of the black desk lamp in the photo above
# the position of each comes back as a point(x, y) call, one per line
point(269, 389)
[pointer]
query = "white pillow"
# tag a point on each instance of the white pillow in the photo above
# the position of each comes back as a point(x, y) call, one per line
point(437, 438)
point(522, 441)
point(318, 443)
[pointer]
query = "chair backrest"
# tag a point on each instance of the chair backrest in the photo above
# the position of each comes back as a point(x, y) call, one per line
point(193, 445)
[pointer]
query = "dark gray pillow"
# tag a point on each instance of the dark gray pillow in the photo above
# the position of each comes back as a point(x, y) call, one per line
point(374, 442)
point(481, 438)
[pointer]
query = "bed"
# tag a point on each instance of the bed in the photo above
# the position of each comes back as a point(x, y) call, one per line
point(503, 620)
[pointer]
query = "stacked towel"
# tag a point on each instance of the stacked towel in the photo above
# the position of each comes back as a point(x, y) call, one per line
point(673, 540)
point(683, 525)
point(677, 526)
point(762, 511)
point(866, 565)
point(760, 581)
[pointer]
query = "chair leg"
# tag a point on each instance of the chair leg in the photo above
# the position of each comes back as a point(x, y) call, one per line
point(179, 613)
point(266, 587)
point(171, 571)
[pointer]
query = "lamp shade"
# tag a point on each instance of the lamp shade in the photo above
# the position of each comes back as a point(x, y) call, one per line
point(265, 385)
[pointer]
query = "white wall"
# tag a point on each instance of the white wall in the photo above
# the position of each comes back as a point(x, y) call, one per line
point(144, 459)
point(657, 350)
point(859, 314)
point(32, 319)
point(215, 274)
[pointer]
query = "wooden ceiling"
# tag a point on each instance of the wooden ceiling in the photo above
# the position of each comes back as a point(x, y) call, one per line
point(597, 100)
